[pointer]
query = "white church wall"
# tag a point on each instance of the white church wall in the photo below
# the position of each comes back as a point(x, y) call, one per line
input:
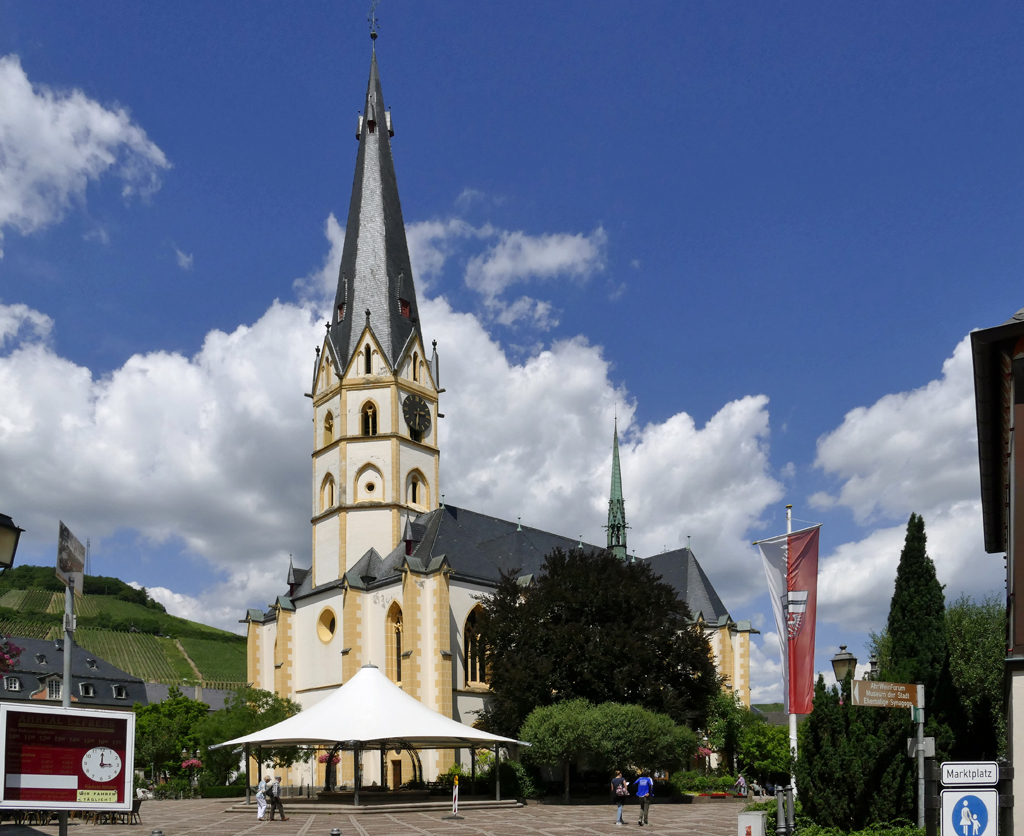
point(463, 598)
point(416, 458)
point(318, 662)
point(325, 534)
point(266, 650)
point(358, 398)
point(365, 528)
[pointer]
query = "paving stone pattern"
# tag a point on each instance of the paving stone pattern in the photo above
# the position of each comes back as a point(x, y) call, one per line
point(210, 818)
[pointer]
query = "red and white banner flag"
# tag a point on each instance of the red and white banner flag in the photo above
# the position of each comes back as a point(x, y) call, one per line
point(791, 566)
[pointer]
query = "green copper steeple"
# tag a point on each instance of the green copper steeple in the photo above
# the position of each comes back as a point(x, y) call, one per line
point(616, 506)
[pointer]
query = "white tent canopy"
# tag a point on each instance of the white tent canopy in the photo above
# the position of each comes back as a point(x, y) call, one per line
point(370, 711)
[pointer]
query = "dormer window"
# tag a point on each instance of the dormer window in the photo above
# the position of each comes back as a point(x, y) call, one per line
point(120, 692)
point(12, 683)
point(341, 312)
point(87, 689)
point(53, 689)
point(40, 659)
point(91, 663)
point(403, 307)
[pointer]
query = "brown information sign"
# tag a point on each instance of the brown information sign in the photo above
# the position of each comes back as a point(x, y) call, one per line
point(884, 694)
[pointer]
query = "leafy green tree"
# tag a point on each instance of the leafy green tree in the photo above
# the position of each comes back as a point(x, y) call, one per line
point(561, 733)
point(762, 751)
point(628, 736)
point(726, 718)
point(248, 710)
point(976, 637)
point(597, 628)
point(164, 729)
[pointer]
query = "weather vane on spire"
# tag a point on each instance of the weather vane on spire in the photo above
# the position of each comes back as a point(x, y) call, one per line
point(372, 20)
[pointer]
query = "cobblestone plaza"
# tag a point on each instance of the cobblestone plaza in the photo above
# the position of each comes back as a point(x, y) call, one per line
point(213, 818)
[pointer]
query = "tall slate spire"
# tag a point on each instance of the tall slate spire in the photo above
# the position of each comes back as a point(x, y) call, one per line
point(616, 505)
point(375, 275)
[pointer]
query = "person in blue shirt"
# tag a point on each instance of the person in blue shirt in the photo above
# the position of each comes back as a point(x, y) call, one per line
point(644, 791)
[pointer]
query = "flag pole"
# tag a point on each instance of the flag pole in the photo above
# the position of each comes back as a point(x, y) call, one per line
point(792, 716)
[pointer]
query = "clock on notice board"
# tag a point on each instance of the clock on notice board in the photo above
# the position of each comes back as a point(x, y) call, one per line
point(101, 764)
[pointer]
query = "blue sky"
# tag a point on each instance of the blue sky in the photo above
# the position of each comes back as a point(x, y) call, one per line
point(763, 231)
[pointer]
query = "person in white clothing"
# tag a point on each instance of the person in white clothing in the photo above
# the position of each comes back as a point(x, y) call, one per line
point(261, 798)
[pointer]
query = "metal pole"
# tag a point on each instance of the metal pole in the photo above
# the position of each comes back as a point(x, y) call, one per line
point(248, 777)
point(792, 717)
point(790, 811)
point(472, 771)
point(65, 691)
point(356, 758)
point(920, 755)
point(497, 774)
point(780, 812)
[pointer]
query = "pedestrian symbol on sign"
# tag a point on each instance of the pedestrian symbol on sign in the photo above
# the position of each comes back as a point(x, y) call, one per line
point(970, 817)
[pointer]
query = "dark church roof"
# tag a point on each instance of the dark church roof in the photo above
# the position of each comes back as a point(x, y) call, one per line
point(479, 547)
point(376, 273)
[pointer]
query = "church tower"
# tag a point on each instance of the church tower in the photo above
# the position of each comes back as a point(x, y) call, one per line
point(375, 394)
point(616, 505)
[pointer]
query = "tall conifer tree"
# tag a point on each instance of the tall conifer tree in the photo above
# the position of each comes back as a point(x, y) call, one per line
point(917, 613)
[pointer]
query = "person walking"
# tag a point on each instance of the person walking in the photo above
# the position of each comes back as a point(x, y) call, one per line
point(644, 791)
point(620, 788)
point(275, 799)
point(261, 798)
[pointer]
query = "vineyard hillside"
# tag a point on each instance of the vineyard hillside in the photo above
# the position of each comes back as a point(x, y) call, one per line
point(124, 626)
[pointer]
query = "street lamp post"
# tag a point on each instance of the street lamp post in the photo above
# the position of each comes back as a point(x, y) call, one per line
point(843, 663)
point(9, 536)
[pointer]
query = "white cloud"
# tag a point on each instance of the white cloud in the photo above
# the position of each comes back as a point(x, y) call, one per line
point(53, 143)
point(319, 286)
point(518, 257)
point(431, 243)
point(908, 452)
point(13, 318)
point(223, 465)
point(185, 260)
point(765, 669)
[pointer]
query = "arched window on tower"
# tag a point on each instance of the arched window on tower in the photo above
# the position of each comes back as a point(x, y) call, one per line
point(474, 651)
point(393, 637)
point(415, 367)
point(369, 419)
point(327, 493)
point(328, 429)
point(367, 360)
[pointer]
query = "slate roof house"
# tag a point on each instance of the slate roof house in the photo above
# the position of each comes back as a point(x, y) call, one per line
point(396, 575)
point(39, 678)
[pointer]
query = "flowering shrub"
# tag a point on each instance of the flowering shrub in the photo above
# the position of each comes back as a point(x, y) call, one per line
point(192, 763)
point(704, 752)
point(322, 758)
point(9, 654)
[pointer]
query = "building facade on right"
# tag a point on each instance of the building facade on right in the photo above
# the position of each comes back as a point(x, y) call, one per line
point(999, 399)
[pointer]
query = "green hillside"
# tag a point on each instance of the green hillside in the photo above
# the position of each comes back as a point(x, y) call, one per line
point(124, 626)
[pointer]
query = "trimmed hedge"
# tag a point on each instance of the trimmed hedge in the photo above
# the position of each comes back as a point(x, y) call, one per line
point(805, 827)
point(223, 792)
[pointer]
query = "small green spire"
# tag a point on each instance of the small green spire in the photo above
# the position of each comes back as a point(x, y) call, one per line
point(616, 505)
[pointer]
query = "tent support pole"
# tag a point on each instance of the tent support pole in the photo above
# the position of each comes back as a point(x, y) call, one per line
point(248, 781)
point(472, 771)
point(356, 752)
point(497, 772)
point(383, 768)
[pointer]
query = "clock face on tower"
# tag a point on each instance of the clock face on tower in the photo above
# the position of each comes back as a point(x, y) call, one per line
point(417, 413)
point(101, 764)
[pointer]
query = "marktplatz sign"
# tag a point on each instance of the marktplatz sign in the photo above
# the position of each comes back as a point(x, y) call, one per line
point(970, 774)
point(884, 694)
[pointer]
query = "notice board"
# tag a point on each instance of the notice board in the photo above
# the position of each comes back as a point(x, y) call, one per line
point(66, 758)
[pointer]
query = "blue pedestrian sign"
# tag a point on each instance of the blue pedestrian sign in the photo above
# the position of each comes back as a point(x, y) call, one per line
point(970, 812)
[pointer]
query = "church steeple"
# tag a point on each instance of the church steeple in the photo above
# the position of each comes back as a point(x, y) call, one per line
point(616, 505)
point(375, 275)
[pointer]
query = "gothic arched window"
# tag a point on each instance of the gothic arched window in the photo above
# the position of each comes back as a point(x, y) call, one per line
point(328, 429)
point(369, 419)
point(393, 637)
point(327, 493)
point(367, 360)
point(474, 651)
point(415, 368)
